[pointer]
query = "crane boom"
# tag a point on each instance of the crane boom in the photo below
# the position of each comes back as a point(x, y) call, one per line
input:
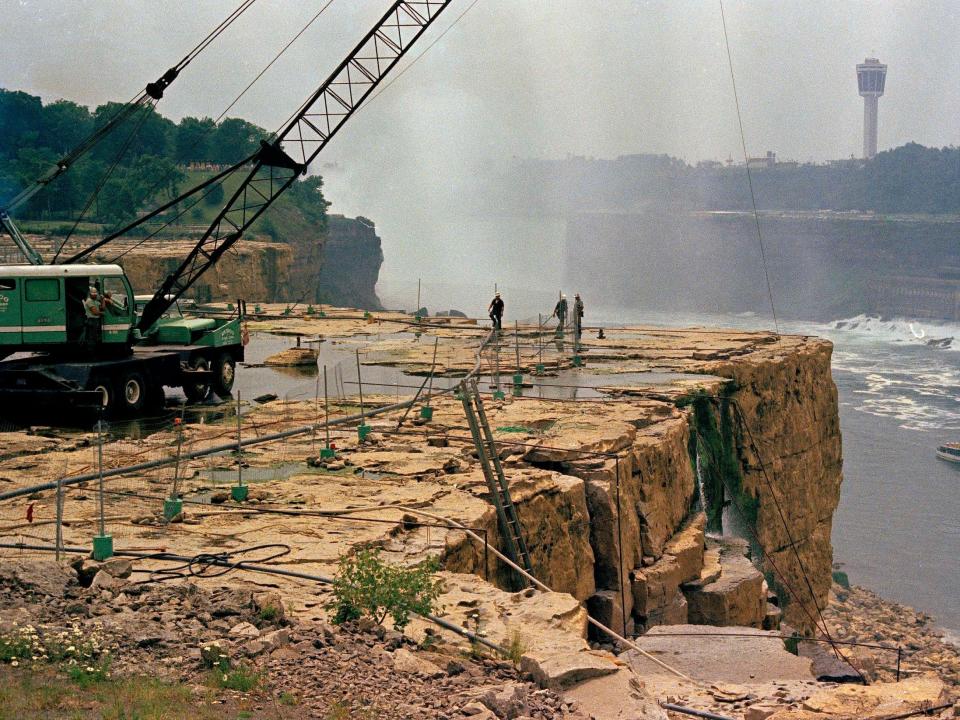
point(285, 156)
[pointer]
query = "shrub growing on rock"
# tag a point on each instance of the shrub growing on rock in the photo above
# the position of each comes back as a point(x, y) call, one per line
point(367, 585)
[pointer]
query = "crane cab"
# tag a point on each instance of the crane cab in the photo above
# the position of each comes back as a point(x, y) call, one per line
point(41, 307)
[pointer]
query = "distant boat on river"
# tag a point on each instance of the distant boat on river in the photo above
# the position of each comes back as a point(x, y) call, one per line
point(949, 452)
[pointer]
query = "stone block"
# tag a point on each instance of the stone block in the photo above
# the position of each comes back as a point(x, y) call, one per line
point(737, 597)
point(605, 607)
point(407, 662)
point(687, 546)
point(557, 670)
point(673, 613)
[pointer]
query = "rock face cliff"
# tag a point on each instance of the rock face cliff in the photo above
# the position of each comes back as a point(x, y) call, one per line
point(677, 482)
point(337, 265)
point(787, 444)
point(304, 264)
point(352, 257)
point(252, 270)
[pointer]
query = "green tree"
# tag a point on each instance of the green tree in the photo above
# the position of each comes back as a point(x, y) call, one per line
point(233, 140)
point(192, 140)
point(19, 121)
point(64, 125)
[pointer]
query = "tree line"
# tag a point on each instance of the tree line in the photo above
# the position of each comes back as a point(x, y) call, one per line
point(145, 158)
point(908, 179)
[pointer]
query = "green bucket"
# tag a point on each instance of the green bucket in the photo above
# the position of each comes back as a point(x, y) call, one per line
point(426, 412)
point(102, 547)
point(172, 507)
point(239, 493)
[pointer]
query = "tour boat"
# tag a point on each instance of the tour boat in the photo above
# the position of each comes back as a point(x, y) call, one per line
point(949, 452)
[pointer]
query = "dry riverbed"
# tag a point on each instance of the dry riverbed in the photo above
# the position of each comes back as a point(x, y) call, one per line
point(415, 489)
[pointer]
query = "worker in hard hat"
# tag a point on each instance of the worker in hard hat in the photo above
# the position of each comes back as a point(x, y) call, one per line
point(496, 311)
point(577, 316)
point(560, 312)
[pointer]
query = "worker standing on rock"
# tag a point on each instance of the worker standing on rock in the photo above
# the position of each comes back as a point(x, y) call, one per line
point(560, 312)
point(577, 316)
point(496, 311)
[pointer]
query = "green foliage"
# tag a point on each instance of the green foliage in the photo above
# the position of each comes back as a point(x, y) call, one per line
point(287, 698)
point(908, 179)
point(517, 647)
point(86, 675)
point(268, 613)
point(366, 585)
point(148, 171)
point(75, 647)
point(841, 579)
point(241, 678)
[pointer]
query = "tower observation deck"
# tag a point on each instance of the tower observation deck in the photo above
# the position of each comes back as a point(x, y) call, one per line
point(871, 78)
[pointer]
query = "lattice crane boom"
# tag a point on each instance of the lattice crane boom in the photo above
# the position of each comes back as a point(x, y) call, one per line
point(285, 156)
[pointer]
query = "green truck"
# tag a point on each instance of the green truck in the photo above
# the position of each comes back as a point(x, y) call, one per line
point(45, 336)
point(46, 356)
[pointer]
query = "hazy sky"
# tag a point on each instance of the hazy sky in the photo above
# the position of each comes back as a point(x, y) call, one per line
point(529, 78)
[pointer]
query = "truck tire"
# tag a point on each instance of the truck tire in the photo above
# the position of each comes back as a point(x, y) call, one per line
point(133, 393)
point(224, 373)
point(197, 392)
point(156, 399)
point(103, 386)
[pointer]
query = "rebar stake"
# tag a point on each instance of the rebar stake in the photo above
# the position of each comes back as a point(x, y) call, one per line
point(426, 412)
point(540, 343)
point(102, 543)
point(518, 375)
point(59, 535)
point(363, 430)
point(173, 505)
point(327, 451)
point(240, 491)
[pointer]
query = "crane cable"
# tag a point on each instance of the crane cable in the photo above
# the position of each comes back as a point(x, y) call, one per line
point(220, 117)
point(422, 53)
point(746, 164)
point(147, 99)
point(148, 108)
point(214, 34)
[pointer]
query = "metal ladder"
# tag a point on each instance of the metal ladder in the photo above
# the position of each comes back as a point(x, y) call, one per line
point(489, 457)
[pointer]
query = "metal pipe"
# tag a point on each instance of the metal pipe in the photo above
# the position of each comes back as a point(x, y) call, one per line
point(433, 369)
point(695, 713)
point(239, 446)
point(293, 432)
point(922, 711)
point(99, 471)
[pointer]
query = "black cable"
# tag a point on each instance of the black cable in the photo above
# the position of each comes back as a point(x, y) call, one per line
point(783, 519)
point(214, 34)
point(424, 52)
point(746, 162)
point(148, 108)
point(201, 564)
point(220, 117)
